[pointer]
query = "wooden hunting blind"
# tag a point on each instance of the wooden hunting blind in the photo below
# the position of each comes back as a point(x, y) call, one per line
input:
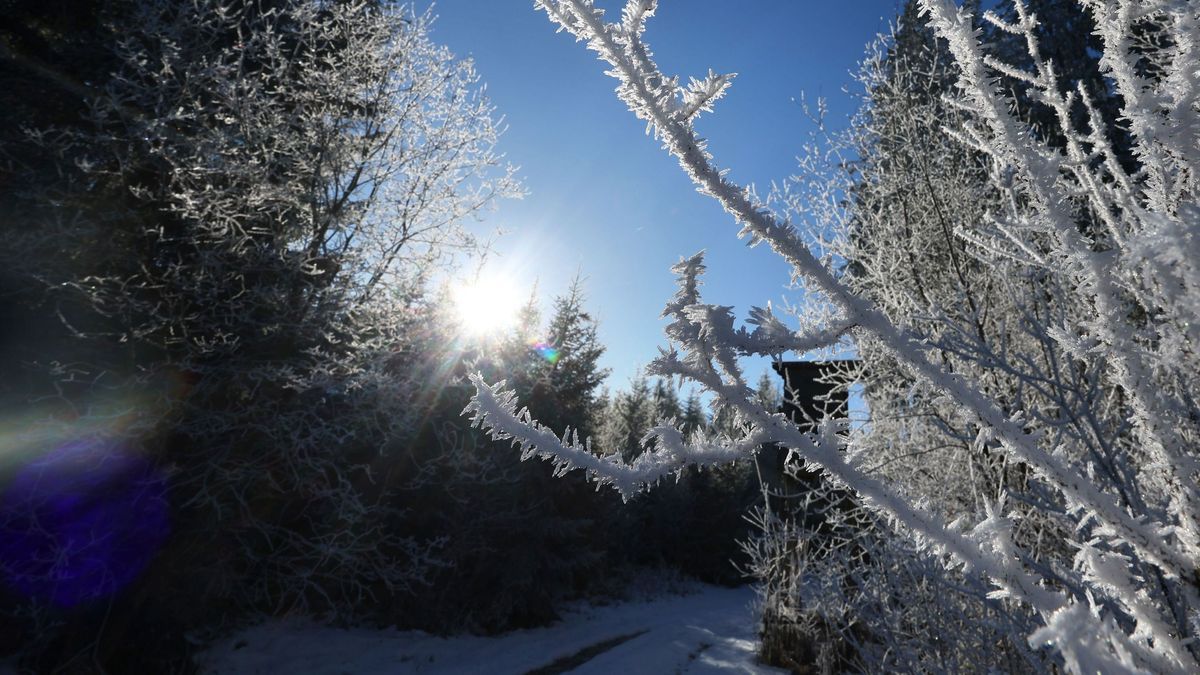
point(808, 394)
point(806, 390)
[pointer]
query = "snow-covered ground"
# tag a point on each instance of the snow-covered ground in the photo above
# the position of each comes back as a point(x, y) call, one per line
point(708, 631)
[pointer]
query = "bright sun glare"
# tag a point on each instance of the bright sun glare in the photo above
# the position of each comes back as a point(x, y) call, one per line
point(487, 306)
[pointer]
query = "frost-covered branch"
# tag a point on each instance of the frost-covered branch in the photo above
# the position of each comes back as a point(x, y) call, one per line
point(493, 408)
point(1081, 218)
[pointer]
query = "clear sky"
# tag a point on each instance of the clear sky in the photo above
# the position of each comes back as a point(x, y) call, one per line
point(604, 200)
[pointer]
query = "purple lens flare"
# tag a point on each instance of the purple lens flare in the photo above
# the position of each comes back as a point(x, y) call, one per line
point(81, 521)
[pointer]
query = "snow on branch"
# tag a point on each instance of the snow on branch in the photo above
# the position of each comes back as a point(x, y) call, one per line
point(701, 94)
point(494, 409)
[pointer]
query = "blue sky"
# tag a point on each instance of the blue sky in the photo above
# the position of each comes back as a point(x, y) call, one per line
point(604, 200)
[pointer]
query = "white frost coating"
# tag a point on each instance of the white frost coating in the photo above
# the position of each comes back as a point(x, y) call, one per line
point(1147, 217)
point(494, 408)
point(1042, 169)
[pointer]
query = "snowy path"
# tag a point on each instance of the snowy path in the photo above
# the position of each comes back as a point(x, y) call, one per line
point(711, 631)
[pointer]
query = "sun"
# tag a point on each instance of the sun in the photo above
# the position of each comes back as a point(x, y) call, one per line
point(486, 306)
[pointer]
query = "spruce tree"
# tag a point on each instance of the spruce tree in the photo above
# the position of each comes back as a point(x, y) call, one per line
point(723, 421)
point(576, 373)
point(694, 417)
point(551, 530)
point(666, 401)
point(629, 418)
point(768, 392)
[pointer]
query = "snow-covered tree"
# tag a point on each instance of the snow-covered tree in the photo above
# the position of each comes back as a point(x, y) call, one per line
point(1126, 286)
point(228, 218)
point(910, 188)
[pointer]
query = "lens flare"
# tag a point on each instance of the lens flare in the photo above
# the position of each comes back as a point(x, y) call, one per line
point(546, 350)
point(81, 521)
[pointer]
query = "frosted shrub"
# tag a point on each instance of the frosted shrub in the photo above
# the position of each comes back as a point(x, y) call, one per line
point(840, 591)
